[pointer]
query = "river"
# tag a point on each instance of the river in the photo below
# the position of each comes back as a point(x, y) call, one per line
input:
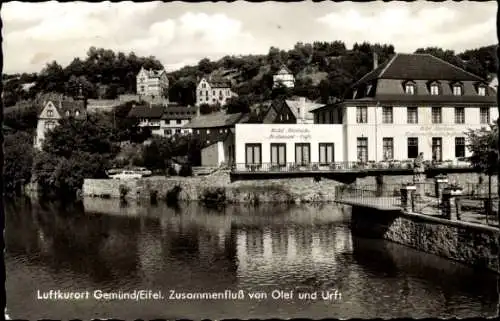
point(102, 246)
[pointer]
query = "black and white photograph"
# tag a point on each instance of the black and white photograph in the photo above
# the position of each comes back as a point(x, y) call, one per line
point(250, 160)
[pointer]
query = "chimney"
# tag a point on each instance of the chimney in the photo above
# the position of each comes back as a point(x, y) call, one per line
point(375, 60)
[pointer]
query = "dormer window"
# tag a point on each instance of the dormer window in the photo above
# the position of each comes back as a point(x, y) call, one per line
point(67, 113)
point(457, 90)
point(77, 113)
point(50, 113)
point(481, 90)
point(434, 89)
point(409, 88)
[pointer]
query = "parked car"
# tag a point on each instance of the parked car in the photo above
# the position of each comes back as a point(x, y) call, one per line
point(126, 175)
point(142, 170)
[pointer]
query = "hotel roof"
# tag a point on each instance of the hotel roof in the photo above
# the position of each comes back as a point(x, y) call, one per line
point(418, 67)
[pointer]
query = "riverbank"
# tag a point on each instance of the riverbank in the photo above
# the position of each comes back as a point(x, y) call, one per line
point(473, 244)
point(218, 187)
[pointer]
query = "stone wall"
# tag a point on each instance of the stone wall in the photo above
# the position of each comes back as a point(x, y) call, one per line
point(473, 244)
point(300, 190)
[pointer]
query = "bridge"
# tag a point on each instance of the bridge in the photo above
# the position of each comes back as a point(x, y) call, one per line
point(345, 172)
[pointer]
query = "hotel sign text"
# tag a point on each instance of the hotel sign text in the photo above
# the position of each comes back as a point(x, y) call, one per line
point(437, 131)
point(290, 133)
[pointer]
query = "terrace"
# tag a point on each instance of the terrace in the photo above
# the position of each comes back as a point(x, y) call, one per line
point(472, 204)
point(342, 171)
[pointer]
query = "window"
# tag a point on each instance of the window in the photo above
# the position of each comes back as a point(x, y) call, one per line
point(326, 153)
point(437, 149)
point(178, 121)
point(142, 88)
point(50, 113)
point(278, 154)
point(361, 115)
point(67, 113)
point(362, 149)
point(485, 115)
point(388, 148)
point(436, 115)
point(459, 146)
point(481, 91)
point(434, 89)
point(387, 115)
point(412, 147)
point(208, 131)
point(206, 93)
point(412, 115)
point(178, 131)
point(410, 89)
point(77, 113)
point(457, 90)
point(331, 117)
point(167, 132)
point(459, 115)
point(302, 153)
point(253, 154)
point(203, 85)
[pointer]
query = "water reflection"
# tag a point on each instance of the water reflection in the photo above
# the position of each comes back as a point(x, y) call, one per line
point(105, 245)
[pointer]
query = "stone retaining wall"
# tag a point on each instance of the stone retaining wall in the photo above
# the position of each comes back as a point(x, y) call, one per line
point(300, 190)
point(473, 244)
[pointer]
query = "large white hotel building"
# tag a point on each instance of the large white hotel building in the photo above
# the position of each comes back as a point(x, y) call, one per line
point(413, 103)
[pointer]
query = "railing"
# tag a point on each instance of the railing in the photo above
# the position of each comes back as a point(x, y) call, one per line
point(334, 166)
point(473, 206)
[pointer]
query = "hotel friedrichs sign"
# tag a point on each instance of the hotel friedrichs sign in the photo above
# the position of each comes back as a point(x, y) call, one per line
point(303, 134)
point(436, 131)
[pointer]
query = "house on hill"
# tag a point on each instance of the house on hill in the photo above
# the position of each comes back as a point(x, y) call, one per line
point(284, 77)
point(152, 85)
point(52, 111)
point(164, 121)
point(216, 133)
point(213, 91)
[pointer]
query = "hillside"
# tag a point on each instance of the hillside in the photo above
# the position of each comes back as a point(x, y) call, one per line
point(322, 70)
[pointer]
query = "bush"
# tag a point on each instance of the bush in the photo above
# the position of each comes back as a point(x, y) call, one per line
point(186, 170)
point(153, 196)
point(171, 171)
point(172, 196)
point(214, 196)
point(124, 189)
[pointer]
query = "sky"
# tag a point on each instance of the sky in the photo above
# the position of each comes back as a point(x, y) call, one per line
point(180, 34)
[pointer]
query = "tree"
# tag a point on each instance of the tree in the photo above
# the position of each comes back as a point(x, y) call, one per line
point(208, 109)
point(483, 144)
point(93, 135)
point(74, 150)
point(18, 162)
point(239, 104)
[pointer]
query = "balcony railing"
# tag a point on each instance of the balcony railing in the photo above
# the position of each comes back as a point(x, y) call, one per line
point(336, 166)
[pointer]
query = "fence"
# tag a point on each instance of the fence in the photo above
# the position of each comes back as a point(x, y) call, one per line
point(335, 166)
point(473, 204)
